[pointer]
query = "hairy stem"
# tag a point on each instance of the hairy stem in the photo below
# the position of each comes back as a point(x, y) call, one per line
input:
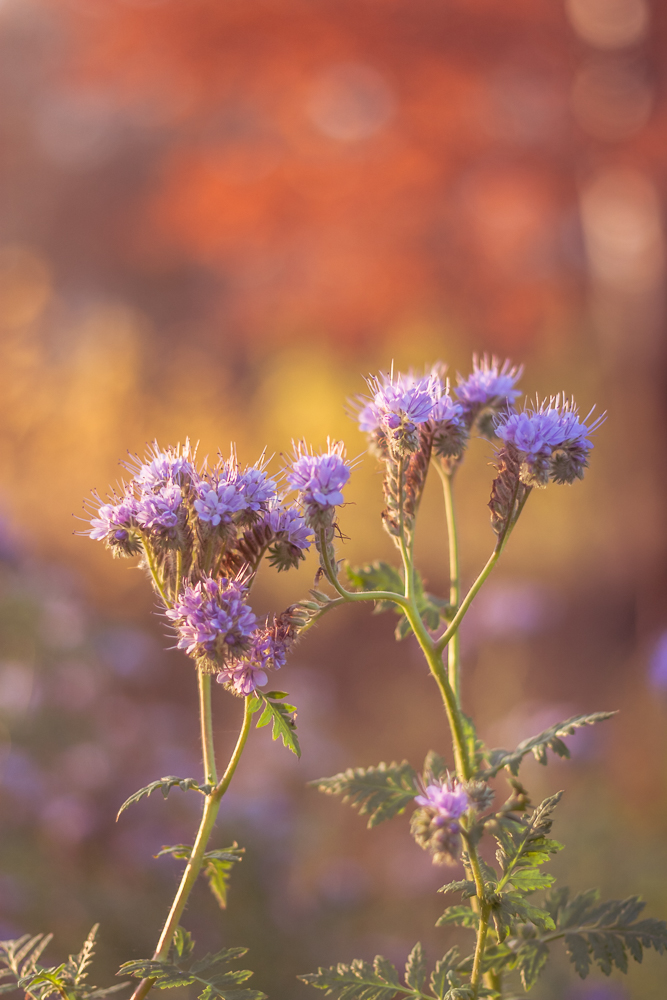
point(209, 816)
point(453, 648)
point(152, 568)
point(351, 595)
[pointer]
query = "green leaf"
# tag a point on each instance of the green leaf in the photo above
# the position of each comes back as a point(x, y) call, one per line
point(461, 916)
point(183, 943)
point(165, 785)
point(464, 886)
point(358, 981)
point(435, 768)
point(538, 745)
point(528, 880)
point(415, 968)
point(604, 933)
point(380, 792)
point(216, 867)
point(217, 985)
point(282, 716)
point(532, 959)
point(439, 982)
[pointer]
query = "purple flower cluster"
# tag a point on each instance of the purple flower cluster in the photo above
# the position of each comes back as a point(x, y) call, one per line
point(289, 524)
point(250, 672)
point(491, 384)
point(114, 520)
point(158, 511)
point(447, 799)
point(551, 440)
point(227, 491)
point(401, 402)
point(213, 618)
point(319, 480)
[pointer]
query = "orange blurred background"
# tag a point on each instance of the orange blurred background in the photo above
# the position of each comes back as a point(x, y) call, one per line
point(216, 216)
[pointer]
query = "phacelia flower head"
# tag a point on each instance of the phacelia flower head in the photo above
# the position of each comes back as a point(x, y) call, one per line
point(171, 465)
point(551, 440)
point(265, 652)
point(436, 826)
point(450, 433)
point(399, 403)
point(319, 478)
point(113, 524)
point(158, 512)
point(213, 620)
point(490, 388)
point(219, 496)
point(292, 535)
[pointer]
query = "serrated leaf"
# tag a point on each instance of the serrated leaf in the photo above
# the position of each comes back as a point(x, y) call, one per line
point(578, 953)
point(461, 916)
point(538, 745)
point(532, 959)
point(438, 982)
point(165, 785)
point(464, 886)
point(529, 879)
point(377, 576)
point(380, 792)
point(435, 768)
point(183, 943)
point(415, 968)
point(281, 715)
point(358, 981)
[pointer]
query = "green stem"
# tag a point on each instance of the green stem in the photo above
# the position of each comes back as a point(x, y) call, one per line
point(453, 648)
point(351, 595)
point(209, 816)
point(405, 554)
point(206, 721)
point(179, 573)
point(150, 562)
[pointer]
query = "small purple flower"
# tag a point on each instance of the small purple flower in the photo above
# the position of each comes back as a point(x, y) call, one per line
point(399, 404)
point(219, 498)
point(113, 520)
point(290, 523)
point(173, 465)
point(448, 799)
point(243, 678)
point(490, 383)
point(319, 478)
point(256, 488)
point(212, 618)
point(551, 440)
point(158, 512)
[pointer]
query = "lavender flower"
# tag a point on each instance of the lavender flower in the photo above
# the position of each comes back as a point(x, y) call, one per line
point(213, 620)
point(244, 675)
point(257, 489)
point(399, 404)
point(448, 799)
point(319, 480)
point(450, 433)
point(159, 512)
point(551, 440)
point(490, 383)
point(113, 525)
point(173, 465)
point(289, 523)
point(435, 826)
point(219, 497)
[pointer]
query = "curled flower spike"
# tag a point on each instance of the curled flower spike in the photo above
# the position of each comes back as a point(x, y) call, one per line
point(213, 620)
point(550, 440)
point(489, 388)
point(265, 652)
point(319, 480)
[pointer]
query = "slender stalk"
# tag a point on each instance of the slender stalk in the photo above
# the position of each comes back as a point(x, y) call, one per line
point(453, 648)
point(352, 595)
point(209, 816)
point(206, 722)
point(150, 562)
point(179, 573)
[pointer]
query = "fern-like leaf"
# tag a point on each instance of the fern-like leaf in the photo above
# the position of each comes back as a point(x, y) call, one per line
point(380, 792)
point(550, 739)
point(165, 785)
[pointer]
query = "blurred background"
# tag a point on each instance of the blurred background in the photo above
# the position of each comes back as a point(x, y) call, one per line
point(215, 217)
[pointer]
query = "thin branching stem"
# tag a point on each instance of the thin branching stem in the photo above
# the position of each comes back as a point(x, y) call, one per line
point(152, 568)
point(453, 647)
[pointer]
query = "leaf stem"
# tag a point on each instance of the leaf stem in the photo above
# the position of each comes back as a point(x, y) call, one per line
point(206, 722)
